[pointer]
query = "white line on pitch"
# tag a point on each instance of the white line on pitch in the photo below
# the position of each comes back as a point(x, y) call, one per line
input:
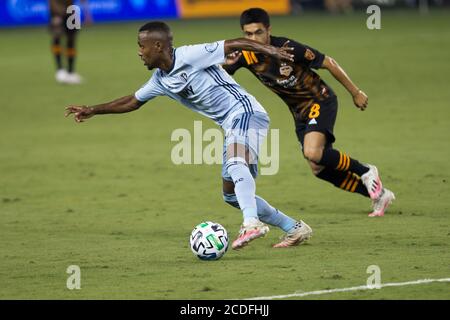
point(319, 292)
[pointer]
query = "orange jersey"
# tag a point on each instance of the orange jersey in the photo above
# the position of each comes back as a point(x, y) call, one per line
point(294, 82)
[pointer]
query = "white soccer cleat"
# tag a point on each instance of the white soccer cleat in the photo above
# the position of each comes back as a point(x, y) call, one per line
point(382, 203)
point(73, 78)
point(372, 182)
point(301, 233)
point(248, 233)
point(61, 76)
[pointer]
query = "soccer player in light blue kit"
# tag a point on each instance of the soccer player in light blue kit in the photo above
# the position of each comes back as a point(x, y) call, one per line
point(192, 75)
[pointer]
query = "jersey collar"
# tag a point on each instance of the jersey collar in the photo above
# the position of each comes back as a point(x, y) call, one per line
point(173, 61)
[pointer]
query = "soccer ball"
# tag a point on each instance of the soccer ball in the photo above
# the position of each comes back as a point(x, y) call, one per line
point(209, 241)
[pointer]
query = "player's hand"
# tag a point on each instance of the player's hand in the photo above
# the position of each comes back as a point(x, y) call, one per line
point(232, 58)
point(81, 113)
point(285, 45)
point(361, 100)
point(284, 53)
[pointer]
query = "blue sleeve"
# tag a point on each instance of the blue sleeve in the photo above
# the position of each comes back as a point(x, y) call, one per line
point(149, 90)
point(202, 56)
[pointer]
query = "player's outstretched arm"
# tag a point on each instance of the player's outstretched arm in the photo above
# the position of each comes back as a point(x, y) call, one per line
point(284, 53)
point(121, 105)
point(359, 97)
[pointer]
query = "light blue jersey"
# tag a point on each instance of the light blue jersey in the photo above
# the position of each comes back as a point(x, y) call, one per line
point(197, 80)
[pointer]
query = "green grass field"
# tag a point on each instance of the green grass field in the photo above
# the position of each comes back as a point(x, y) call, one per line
point(104, 195)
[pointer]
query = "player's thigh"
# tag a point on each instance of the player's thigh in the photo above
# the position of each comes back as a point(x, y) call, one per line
point(315, 168)
point(71, 34)
point(301, 133)
point(314, 140)
point(237, 150)
point(314, 144)
point(234, 152)
point(56, 25)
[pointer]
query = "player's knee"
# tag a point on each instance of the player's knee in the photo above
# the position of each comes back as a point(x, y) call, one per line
point(313, 154)
point(231, 199)
point(315, 168)
point(234, 164)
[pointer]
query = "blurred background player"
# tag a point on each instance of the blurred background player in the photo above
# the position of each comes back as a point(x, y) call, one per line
point(338, 6)
point(332, 6)
point(59, 29)
point(192, 76)
point(313, 105)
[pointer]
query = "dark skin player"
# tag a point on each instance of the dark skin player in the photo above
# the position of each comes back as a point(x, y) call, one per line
point(155, 50)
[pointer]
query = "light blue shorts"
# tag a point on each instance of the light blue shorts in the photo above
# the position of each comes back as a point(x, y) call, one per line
point(249, 129)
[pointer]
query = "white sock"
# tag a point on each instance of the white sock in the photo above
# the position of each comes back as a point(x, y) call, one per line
point(244, 187)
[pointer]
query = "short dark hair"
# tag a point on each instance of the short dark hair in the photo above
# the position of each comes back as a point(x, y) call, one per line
point(255, 15)
point(155, 26)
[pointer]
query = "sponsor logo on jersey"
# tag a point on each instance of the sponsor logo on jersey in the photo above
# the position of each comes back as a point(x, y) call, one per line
point(289, 82)
point(286, 70)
